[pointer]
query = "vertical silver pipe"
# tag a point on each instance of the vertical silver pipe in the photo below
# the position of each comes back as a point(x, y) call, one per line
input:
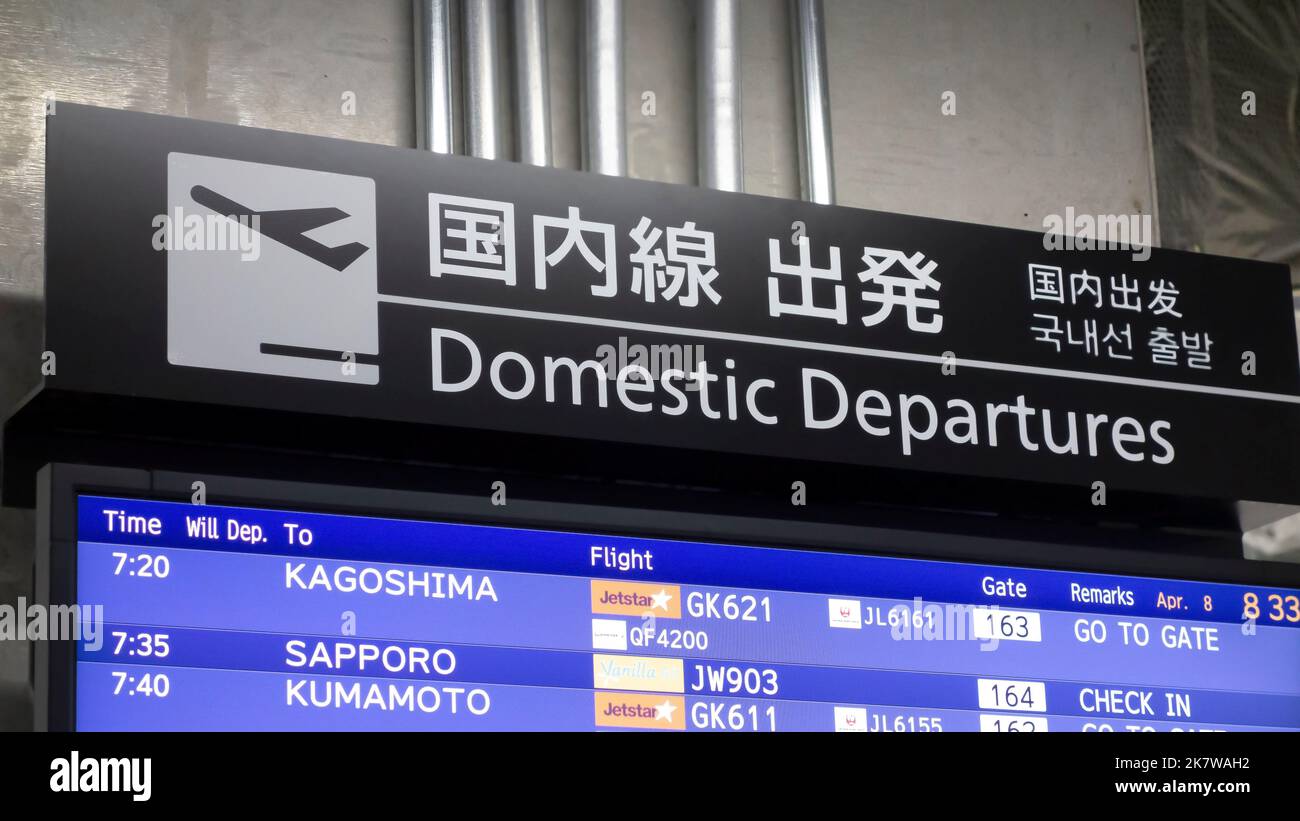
point(717, 97)
point(434, 123)
point(604, 128)
point(813, 101)
point(532, 82)
point(483, 136)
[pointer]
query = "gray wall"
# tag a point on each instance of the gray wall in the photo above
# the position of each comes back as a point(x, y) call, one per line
point(1050, 113)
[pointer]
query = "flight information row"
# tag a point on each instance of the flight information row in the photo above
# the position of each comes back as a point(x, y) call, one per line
point(134, 649)
point(139, 697)
point(186, 588)
point(360, 541)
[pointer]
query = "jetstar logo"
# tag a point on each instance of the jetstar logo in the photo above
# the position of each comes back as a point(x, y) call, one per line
point(639, 711)
point(636, 599)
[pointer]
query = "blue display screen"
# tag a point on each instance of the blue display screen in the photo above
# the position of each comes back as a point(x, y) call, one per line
point(225, 618)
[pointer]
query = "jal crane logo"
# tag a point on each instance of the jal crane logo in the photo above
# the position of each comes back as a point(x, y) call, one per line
point(845, 613)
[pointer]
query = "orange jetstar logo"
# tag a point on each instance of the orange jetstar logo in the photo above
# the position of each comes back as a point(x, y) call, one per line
point(636, 599)
point(640, 711)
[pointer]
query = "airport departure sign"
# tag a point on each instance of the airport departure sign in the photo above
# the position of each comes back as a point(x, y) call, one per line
point(272, 270)
point(242, 618)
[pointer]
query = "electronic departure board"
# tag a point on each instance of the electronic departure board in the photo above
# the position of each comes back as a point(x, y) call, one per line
point(256, 619)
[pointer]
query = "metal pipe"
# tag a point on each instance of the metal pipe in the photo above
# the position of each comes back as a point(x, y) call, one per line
point(717, 67)
point(604, 128)
point(434, 122)
point(483, 136)
point(812, 101)
point(532, 82)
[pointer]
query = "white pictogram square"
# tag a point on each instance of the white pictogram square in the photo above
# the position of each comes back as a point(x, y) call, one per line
point(304, 302)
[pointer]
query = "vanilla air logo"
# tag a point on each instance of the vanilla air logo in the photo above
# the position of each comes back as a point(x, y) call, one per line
point(644, 673)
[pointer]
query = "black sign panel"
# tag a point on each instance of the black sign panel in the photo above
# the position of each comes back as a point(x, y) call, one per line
point(213, 263)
